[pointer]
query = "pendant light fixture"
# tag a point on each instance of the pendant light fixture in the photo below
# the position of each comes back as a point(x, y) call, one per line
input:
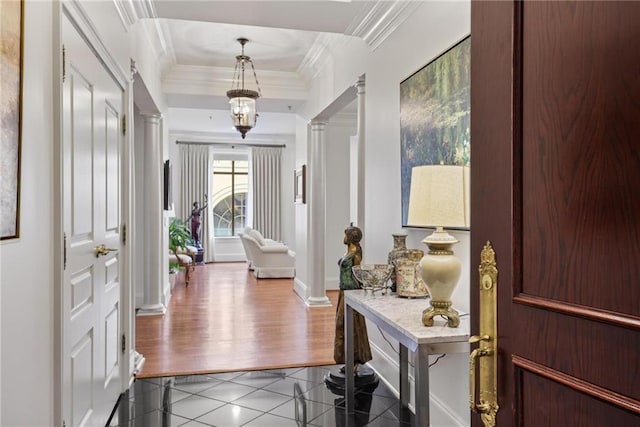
point(241, 100)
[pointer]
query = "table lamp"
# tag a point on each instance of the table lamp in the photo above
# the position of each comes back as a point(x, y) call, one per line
point(439, 197)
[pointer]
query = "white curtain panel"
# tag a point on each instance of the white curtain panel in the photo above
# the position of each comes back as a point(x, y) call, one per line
point(195, 182)
point(267, 194)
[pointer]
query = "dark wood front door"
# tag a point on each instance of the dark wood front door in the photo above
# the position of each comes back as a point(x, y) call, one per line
point(555, 125)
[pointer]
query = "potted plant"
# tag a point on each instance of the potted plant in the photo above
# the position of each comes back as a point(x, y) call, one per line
point(179, 238)
point(179, 235)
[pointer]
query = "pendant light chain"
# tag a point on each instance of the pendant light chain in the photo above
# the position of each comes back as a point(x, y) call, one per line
point(256, 77)
point(242, 60)
point(235, 83)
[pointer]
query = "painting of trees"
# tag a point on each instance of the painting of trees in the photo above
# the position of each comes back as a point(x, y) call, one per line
point(435, 115)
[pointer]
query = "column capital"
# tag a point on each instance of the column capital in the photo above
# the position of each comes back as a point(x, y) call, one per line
point(132, 68)
point(151, 116)
point(360, 85)
point(319, 124)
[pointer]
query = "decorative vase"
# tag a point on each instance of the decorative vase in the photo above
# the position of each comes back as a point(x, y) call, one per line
point(408, 278)
point(399, 252)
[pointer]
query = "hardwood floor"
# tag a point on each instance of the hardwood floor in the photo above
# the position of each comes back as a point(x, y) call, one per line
point(227, 320)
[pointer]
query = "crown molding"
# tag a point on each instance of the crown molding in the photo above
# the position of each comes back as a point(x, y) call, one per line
point(316, 57)
point(374, 24)
point(230, 137)
point(168, 56)
point(203, 80)
point(78, 15)
point(131, 11)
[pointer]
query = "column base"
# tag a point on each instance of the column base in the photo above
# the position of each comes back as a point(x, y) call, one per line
point(318, 302)
point(138, 362)
point(151, 310)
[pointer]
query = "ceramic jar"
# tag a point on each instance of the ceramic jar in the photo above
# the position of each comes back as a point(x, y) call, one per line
point(400, 252)
point(408, 279)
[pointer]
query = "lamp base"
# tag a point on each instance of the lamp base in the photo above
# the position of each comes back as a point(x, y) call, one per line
point(441, 308)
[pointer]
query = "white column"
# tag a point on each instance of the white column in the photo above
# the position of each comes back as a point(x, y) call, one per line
point(360, 87)
point(153, 260)
point(316, 294)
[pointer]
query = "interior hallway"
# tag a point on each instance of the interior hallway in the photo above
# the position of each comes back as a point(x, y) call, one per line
point(226, 326)
point(226, 320)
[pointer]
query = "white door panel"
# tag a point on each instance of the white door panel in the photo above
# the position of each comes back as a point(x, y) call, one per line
point(92, 101)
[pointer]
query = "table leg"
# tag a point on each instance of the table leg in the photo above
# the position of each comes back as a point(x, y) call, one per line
point(422, 386)
point(348, 366)
point(405, 392)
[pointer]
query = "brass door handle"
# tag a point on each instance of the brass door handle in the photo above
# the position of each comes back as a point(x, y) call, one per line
point(102, 250)
point(478, 352)
point(485, 355)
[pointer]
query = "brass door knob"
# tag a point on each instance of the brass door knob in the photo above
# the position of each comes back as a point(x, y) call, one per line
point(102, 250)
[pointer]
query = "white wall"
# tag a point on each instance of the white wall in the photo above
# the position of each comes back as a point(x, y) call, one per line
point(338, 145)
point(26, 264)
point(430, 30)
point(300, 212)
point(288, 207)
point(139, 218)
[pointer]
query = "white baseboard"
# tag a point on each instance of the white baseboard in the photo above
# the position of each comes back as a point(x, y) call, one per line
point(387, 368)
point(167, 294)
point(300, 288)
point(229, 257)
point(151, 310)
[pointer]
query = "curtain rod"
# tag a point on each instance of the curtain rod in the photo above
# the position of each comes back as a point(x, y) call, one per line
point(232, 144)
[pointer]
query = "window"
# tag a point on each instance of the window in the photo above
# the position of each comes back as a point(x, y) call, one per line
point(230, 188)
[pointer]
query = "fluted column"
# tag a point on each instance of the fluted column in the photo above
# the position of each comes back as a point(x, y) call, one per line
point(360, 87)
point(316, 294)
point(153, 259)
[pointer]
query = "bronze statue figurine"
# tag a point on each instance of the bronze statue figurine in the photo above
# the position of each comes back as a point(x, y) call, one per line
point(195, 220)
point(353, 256)
point(365, 378)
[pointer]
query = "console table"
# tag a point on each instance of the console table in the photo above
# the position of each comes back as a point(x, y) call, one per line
point(401, 319)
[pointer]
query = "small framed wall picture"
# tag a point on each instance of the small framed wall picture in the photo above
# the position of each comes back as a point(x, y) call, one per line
point(12, 22)
point(300, 185)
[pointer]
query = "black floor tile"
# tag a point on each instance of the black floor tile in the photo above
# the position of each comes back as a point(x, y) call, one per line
point(257, 398)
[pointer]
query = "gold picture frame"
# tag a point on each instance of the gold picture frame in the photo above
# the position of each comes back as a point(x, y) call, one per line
point(300, 185)
point(12, 28)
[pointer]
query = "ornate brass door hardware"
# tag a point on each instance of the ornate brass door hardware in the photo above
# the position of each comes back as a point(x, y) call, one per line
point(485, 355)
point(102, 250)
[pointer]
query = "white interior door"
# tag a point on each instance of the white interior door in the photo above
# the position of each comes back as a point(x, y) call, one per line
point(92, 136)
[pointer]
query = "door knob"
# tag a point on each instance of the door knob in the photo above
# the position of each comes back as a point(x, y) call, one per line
point(485, 355)
point(102, 250)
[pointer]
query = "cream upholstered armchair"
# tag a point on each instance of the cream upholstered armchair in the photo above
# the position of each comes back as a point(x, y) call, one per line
point(186, 259)
point(262, 241)
point(268, 258)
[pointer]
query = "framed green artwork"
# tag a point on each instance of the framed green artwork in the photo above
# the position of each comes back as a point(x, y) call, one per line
point(435, 114)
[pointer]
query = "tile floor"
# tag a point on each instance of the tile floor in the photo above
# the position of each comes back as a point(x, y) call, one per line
point(252, 399)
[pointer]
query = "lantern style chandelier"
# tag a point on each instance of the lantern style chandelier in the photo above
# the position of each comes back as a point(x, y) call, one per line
point(241, 100)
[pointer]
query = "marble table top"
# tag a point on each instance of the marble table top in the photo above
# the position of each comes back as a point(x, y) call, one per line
point(404, 317)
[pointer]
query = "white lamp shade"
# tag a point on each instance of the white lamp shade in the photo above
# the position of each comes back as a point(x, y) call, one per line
point(439, 196)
